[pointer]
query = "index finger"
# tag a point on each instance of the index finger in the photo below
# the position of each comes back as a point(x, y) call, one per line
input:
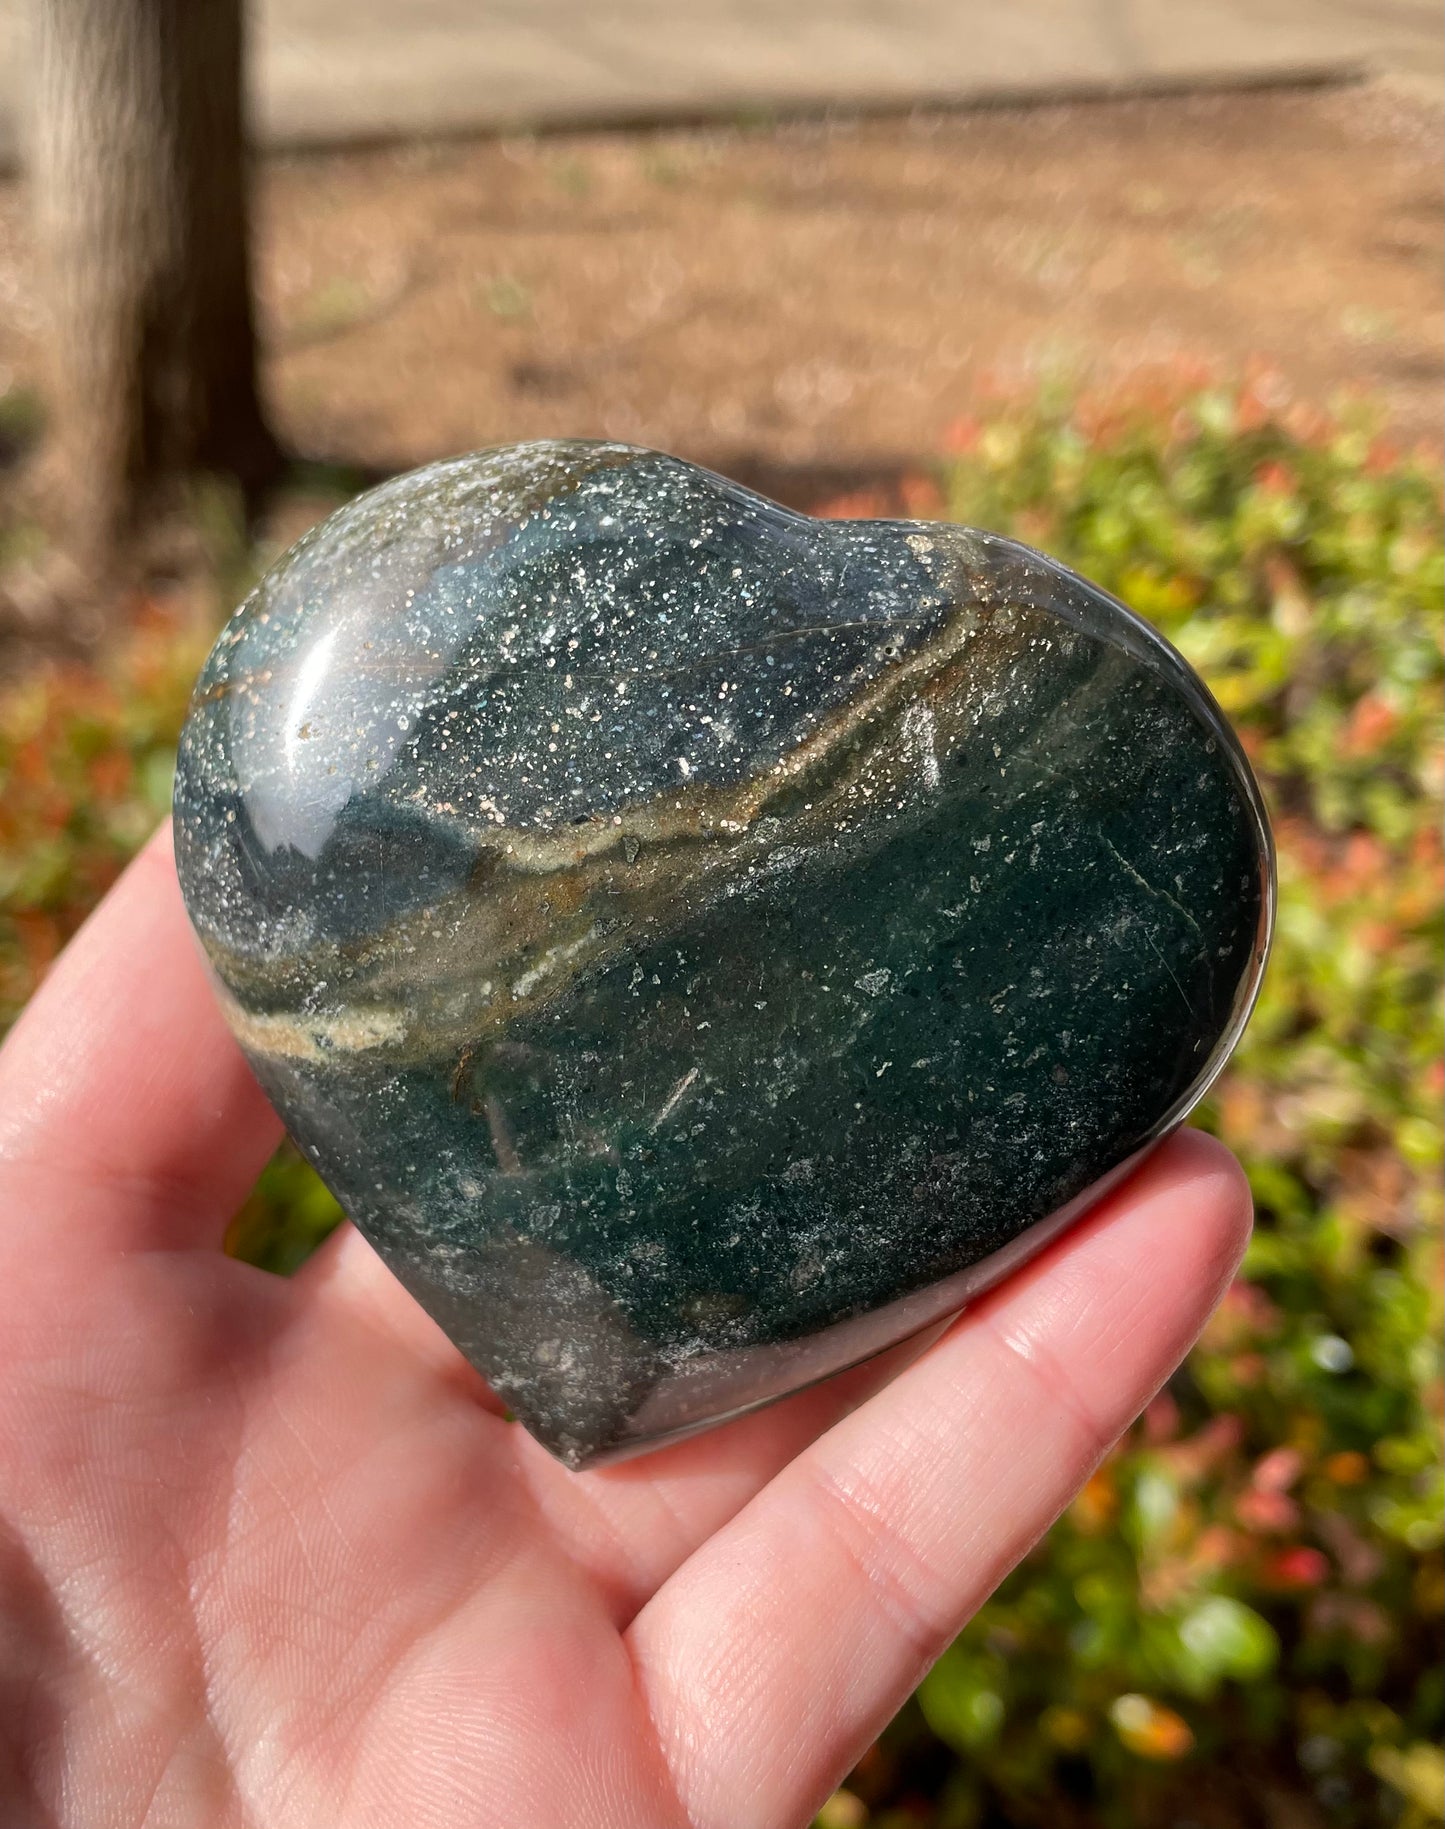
point(772, 1657)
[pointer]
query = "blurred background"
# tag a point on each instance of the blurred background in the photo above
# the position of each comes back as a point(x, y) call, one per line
point(1153, 284)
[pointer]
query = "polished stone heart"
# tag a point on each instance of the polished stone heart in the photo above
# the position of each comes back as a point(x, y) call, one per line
point(699, 945)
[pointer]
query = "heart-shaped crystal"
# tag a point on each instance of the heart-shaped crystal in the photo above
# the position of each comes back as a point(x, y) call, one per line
point(701, 945)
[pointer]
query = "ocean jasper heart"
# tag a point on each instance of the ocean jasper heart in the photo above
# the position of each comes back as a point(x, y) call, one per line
point(699, 945)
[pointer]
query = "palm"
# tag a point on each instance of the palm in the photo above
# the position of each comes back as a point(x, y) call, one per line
point(268, 1553)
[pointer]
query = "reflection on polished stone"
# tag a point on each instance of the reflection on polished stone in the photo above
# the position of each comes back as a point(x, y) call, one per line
point(701, 945)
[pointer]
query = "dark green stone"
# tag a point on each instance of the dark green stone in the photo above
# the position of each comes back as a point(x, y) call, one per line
point(700, 945)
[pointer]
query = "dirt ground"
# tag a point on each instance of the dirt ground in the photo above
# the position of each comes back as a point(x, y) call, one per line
point(810, 306)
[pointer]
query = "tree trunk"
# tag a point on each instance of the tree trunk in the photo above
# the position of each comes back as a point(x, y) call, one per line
point(138, 174)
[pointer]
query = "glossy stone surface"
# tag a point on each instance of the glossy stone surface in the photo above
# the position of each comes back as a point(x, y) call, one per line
point(699, 945)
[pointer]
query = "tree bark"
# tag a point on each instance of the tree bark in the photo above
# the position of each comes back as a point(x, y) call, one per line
point(139, 182)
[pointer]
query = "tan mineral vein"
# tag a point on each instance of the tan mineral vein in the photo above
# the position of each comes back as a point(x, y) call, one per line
point(544, 906)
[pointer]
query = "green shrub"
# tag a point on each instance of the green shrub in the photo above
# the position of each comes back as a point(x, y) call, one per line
point(1244, 1604)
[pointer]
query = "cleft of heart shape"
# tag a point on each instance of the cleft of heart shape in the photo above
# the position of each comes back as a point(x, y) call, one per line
point(702, 946)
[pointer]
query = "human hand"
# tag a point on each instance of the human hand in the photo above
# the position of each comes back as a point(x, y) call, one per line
point(270, 1555)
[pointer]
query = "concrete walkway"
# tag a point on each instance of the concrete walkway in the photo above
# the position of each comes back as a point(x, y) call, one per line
point(329, 72)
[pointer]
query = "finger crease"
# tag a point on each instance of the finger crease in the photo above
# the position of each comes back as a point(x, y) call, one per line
point(855, 1523)
point(1047, 1372)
